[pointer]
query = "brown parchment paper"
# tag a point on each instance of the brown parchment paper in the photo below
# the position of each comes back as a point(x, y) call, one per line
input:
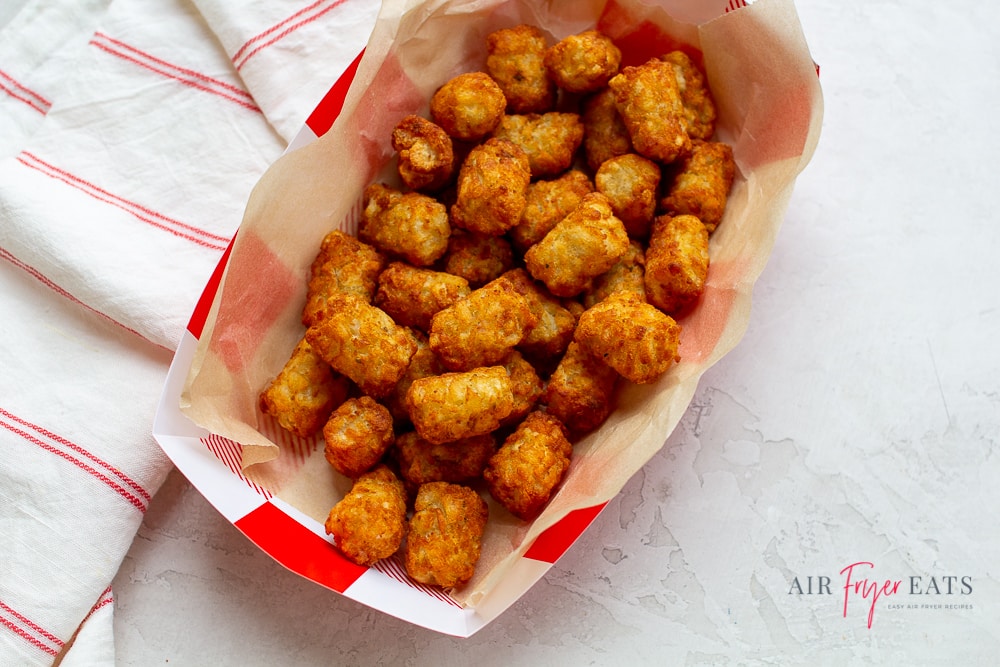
point(769, 109)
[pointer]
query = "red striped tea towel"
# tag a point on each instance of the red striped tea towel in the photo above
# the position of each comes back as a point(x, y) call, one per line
point(131, 133)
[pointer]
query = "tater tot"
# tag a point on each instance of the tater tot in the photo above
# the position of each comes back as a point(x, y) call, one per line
point(411, 225)
point(426, 155)
point(482, 328)
point(676, 263)
point(492, 186)
point(585, 244)
point(633, 337)
point(531, 463)
point(525, 384)
point(445, 534)
point(627, 275)
point(452, 406)
point(412, 295)
point(604, 133)
point(550, 336)
point(547, 202)
point(584, 62)
point(423, 363)
point(477, 258)
point(357, 435)
point(515, 58)
point(631, 183)
point(469, 106)
point(550, 139)
point(304, 393)
point(699, 108)
point(343, 264)
point(362, 342)
point(648, 99)
point(369, 523)
point(701, 184)
point(581, 390)
point(456, 461)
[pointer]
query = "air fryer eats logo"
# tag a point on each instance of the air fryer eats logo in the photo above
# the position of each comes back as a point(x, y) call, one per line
point(860, 590)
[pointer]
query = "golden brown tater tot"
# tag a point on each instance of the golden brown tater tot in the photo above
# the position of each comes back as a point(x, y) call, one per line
point(452, 406)
point(304, 393)
point(369, 523)
point(633, 337)
point(357, 434)
point(445, 534)
point(362, 342)
point(524, 473)
point(515, 58)
point(492, 185)
point(585, 244)
point(676, 263)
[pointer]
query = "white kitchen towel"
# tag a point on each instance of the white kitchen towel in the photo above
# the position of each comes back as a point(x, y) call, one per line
point(131, 133)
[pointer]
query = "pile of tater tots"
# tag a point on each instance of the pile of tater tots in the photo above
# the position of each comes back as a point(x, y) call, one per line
point(552, 224)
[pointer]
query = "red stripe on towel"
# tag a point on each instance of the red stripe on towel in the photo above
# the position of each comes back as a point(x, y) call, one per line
point(138, 211)
point(280, 30)
point(29, 630)
point(19, 92)
point(132, 499)
point(180, 74)
point(42, 278)
point(41, 431)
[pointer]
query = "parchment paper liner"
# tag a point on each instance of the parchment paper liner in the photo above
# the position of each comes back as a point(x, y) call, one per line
point(770, 107)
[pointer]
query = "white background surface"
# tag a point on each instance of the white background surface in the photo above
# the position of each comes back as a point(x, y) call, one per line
point(856, 421)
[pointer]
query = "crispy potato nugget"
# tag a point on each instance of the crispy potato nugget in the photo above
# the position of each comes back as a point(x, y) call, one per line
point(531, 463)
point(649, 101)
point(482, 328)
point(633, 337)
point(627, 275)
point(357, 434)
point(699, 108)
point(413, 295)
point(581, 390)
point(426, 155)
point(583, 63)
point(304, 393)
point(457, 461)
point(525, 384)
point(478, 258)
point(492, 186)
point(547, 202)
point(550, 139)
point(411, 225)
point(452, 406)
point(515, 58)
point(362, 342)
point(702, 182)
point(604, 135)
point(369, 523)
point(676, 263)
point(585, 244)
point(445, 534)
point(423, 363)
point(343, 264)
point(550, 336)
point(469, 106)
point(631, 183)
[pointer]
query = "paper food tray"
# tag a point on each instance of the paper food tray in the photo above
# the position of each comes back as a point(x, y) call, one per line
point(214, 463)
